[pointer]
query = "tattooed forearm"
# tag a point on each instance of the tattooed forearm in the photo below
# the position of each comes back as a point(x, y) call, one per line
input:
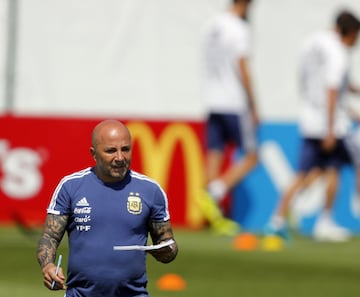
point(50, 239)
point(159, 232)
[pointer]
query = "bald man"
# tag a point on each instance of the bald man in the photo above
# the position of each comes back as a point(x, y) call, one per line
point(101, 207)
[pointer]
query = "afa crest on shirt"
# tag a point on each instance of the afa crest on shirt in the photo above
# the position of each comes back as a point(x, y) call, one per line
point(134, 204)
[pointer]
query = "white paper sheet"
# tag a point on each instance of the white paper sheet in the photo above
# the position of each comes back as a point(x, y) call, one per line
point(142, 247)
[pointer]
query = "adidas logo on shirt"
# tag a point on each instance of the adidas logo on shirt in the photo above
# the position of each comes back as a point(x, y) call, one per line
point(82, 202)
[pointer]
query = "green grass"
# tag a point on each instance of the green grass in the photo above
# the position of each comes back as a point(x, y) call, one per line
point(211, 268)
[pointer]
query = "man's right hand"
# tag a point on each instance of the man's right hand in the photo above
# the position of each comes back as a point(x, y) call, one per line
point(49, 273)
point(329, 142)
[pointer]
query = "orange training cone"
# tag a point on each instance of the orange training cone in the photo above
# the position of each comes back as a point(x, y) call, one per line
point(245, 241)
point(171, 282)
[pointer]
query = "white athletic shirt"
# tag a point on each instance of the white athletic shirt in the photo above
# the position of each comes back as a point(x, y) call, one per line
point(324, 64)
point(227, 38)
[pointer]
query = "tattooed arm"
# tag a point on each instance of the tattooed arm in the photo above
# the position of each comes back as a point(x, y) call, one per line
point(160, 232)
point(50, 239)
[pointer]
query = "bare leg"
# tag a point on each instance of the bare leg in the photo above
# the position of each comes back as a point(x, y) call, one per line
point(325, 228)
point(235, 173)
point(283, 207)
point(214, 162)
point(332, 177)
point(312, 176)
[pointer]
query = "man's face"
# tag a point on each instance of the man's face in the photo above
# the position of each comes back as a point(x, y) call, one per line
point(352, 38)
point(112, 154)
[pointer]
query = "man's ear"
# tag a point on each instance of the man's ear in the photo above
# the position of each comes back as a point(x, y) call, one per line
point(93, 152)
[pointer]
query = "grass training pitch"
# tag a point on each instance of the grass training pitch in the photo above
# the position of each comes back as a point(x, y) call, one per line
point(210, 267)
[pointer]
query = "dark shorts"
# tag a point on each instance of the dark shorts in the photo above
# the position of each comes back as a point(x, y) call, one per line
point(223, 129)
point(312, 155)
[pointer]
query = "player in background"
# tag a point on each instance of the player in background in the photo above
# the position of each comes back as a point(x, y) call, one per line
point(324, 122)
point(352, 158)
point(101, 207)
point(353, 143)
point(232, 116)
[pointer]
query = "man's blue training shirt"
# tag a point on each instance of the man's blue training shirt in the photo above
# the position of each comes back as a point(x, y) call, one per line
point(100, 217)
